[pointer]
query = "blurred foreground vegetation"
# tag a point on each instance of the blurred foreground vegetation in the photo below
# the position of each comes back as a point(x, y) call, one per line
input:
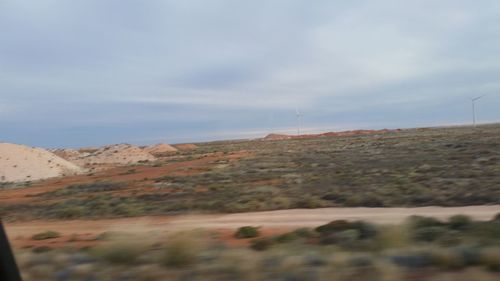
point(423, 248)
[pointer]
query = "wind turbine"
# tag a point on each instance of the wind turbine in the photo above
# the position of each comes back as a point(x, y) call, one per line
point(299, 120)
point(473, 100)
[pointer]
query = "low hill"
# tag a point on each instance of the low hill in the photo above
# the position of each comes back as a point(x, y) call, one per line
point(20, 163)
point(120, 154)
point(115, 154)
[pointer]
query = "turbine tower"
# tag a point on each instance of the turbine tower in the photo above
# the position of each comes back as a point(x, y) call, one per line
point(299, 120)
point(473, 100)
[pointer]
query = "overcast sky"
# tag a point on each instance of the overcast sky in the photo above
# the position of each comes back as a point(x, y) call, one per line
point(91, 72)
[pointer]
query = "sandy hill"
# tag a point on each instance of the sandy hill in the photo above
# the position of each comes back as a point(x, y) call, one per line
point(21, 163)
point(116, 154)
point(67, 153)
point(160, 148)
point(186, 146)
point(121, 154)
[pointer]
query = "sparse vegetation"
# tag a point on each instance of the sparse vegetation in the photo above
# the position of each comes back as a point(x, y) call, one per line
point(409, 168)
point(247, 232)
point(46, 235)
point(120, 249)
point(86, 188)
point(261, 244)
point(180, 251)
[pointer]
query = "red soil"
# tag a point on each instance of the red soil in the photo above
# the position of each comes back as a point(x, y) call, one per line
point(138, 177)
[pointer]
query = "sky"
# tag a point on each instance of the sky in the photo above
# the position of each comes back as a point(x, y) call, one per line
point(93, 72)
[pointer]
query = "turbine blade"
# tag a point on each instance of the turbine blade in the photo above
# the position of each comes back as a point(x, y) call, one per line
point(476, 98)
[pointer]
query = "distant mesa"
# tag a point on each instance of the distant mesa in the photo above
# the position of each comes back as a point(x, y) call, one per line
point(329, 134)
point(186, 146)
point(277, 137)
point(19, 163)
point(356, 133)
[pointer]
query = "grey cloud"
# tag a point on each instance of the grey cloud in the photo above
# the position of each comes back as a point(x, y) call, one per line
point(159, 62)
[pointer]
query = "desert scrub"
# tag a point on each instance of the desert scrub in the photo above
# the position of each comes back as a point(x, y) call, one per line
point(261, 244)
point(46, 235)
point(71, 212)
point(120, 249)
point(491, 258)
point(459, 222)
point(181, 251)
point(247, 232)
point(370, 170)
point(85, 188)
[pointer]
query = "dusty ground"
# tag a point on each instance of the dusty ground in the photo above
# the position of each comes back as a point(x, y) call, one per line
point(82, 233)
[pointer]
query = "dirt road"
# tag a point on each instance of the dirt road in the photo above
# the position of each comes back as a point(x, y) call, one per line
point(283, 219)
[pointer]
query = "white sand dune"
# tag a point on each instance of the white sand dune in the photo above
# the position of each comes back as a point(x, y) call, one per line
point(20, 163)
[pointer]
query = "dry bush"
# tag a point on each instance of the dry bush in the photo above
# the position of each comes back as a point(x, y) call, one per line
point(491, 258)
point(46, 235)
point(247, 232)
point(182, 249)
point(120, 250)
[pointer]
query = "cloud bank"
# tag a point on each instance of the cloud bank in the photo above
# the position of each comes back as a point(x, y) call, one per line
point(88, 72)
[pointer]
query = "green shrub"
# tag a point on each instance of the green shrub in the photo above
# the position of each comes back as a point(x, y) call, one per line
point(286, 237)
point(351, 235)
point(247, 232)
point(261, 244)
point(46, 235)
point(348, 238)
point(304, 232)
point(334, 226)
point(459, 222)
point(366, 230)
point(422, 222)
point(41, 249)
point(429, 234)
